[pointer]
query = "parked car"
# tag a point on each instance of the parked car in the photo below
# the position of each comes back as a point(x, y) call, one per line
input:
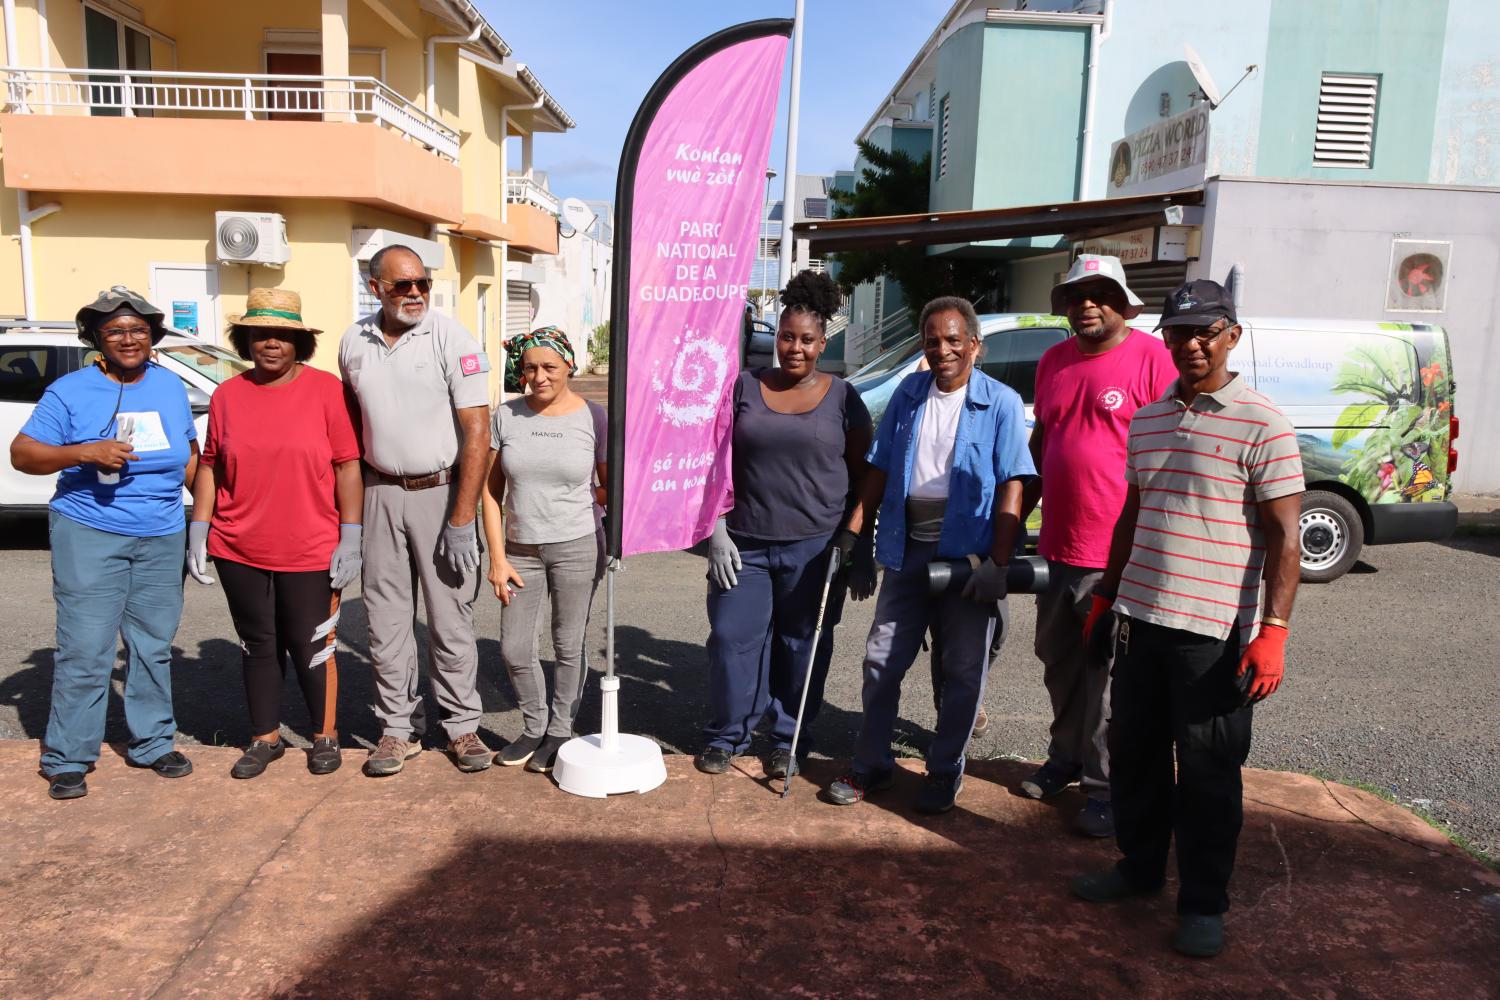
point(1372, 405)
point(32, 359)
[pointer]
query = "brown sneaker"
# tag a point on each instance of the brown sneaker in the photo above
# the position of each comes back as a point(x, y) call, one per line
point(469, 753)
point(390, 756)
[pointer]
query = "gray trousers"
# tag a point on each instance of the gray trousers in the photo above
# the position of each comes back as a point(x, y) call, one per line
point(904, 611)
point(568, 573)
point(1077, 684)
point(402, 530)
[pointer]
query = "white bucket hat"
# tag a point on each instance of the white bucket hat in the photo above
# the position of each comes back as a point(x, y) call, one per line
point(1093, 267)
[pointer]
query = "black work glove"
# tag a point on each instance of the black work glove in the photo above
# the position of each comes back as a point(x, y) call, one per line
point(841, 547)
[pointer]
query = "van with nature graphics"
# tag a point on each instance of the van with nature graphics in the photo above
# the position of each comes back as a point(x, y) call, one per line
point(1372, 404)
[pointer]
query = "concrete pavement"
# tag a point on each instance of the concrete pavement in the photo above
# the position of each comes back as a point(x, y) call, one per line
point(436, 883)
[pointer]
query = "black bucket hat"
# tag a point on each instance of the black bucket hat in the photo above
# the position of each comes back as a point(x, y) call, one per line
point(117, 298)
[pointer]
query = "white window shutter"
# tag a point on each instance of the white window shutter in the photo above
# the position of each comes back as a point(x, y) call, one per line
point(1345, 137)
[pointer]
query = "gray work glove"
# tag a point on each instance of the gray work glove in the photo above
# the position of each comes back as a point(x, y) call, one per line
point(197, 552)
point(723, 557)
point(987, 583)
point(347, 558)
point(460, 544)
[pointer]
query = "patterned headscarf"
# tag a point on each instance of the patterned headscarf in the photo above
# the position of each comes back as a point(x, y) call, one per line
point(547, 336)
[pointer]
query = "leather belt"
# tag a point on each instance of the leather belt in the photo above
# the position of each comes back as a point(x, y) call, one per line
point(441, 478)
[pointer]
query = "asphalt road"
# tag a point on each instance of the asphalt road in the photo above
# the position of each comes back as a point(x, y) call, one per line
point(1392, 676)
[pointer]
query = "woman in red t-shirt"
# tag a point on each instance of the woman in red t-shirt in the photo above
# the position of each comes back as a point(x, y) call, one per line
point(279, 487)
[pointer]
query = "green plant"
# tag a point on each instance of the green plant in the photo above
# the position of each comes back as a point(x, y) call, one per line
point(1401, 432)
point(599, 344)
point(896, 184)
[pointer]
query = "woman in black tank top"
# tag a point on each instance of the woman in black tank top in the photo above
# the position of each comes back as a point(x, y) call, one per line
point(800, 437)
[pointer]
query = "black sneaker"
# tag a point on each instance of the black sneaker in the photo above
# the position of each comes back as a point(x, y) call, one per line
point(779, 764)
point(171, 764)
point(854, 786)
point(939, 793)
point(518, 751)
point(1199, 935)
point(255, 759)
point(1109, 886)
point(68, 785)
point(325, 755)
point(1047, 781)
point(546, 754)
point(714, 760)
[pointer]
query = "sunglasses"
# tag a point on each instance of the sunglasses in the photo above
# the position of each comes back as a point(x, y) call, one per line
point(1204, 335)
point(405, 285)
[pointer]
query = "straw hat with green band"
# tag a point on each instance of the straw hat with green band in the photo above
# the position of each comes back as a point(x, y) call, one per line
point(273, 307)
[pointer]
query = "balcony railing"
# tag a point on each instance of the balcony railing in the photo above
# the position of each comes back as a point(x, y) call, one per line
point(252, 96)
point(520, 189)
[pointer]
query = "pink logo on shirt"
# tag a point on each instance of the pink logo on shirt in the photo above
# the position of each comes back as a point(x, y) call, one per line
point(471, 364)
point(1112, 398)
point(1091, 265)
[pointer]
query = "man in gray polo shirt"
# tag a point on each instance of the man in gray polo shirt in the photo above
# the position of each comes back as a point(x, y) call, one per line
point(420, 396)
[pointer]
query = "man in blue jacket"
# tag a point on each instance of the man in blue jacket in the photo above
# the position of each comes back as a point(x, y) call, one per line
point(946, 474)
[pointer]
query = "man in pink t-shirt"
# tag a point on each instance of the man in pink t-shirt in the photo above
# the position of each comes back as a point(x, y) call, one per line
point(1087, 388)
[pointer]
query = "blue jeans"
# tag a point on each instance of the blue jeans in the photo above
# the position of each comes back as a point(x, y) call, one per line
point(110, 586)
point(760, 635)
point(962, 630)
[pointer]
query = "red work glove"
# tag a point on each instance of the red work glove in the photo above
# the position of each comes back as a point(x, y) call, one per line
point(1266, 657)
point(1098, 608)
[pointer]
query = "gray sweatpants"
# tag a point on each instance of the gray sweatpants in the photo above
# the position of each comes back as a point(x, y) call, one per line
point(1077, 685)
point(402, 531)
point(568, 572)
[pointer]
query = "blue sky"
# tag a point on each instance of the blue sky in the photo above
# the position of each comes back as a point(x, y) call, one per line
point(599, 57)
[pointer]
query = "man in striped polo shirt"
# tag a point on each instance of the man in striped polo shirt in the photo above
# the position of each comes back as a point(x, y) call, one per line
point(1215, 479)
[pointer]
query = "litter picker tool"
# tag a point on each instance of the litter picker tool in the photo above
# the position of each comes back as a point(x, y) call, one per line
point(812, 658)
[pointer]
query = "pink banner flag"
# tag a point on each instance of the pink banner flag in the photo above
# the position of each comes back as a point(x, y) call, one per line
point(693, 234)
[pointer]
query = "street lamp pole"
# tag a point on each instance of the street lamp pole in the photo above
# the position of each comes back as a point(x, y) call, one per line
point(765, 220)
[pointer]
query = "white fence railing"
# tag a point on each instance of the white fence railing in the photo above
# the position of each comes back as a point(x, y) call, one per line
point(521, 189)
point(153, 93)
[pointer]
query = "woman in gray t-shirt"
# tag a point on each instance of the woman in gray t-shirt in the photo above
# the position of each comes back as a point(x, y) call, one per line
point(541, 505)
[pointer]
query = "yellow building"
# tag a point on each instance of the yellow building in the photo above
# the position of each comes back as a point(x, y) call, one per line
point(167, 144)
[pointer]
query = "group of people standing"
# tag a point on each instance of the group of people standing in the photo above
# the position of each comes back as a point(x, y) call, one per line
point(1170, 490)
point(1169, 486)
point(305, 483)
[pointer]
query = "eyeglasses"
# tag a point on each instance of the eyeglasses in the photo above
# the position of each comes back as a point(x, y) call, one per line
point(1097, 293)
point(405, 285)
point(1204, 335)
point(126, 333)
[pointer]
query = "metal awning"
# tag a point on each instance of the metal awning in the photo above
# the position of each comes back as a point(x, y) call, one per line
point(1068, 218)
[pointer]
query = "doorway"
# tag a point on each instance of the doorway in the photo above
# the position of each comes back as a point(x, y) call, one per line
point(294, 100)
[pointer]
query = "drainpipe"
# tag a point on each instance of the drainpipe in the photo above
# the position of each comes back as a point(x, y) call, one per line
point(1097, 36)
point(432, 44)
point(505, 110)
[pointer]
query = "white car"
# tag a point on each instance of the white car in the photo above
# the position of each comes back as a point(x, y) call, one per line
point(31, 359)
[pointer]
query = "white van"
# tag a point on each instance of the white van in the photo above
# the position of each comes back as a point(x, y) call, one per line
point(1372, 404)
point(31, 359)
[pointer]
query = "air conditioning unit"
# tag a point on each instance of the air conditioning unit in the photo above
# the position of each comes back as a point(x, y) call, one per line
point(251, 238)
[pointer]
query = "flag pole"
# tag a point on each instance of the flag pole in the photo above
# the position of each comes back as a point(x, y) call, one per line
point(789, 177)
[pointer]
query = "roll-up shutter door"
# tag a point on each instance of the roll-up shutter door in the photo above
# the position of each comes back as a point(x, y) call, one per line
point(518, 314)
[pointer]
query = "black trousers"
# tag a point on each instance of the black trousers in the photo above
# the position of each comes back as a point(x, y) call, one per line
point(1175, 690)
point(281, 617)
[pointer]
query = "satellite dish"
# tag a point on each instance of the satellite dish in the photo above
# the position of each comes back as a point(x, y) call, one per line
point(1201, 74)
point(578, 215)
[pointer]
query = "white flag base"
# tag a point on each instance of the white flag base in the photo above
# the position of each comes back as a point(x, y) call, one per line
point(611, 762)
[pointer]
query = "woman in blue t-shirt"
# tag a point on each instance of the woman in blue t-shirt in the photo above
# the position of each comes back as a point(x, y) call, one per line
point(120, 436)
point(800, 437)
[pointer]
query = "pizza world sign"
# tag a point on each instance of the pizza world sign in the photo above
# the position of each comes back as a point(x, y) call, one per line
point(1167, 156)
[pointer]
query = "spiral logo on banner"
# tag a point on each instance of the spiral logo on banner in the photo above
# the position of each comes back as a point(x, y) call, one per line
point(689, 395)
point(694, 201)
